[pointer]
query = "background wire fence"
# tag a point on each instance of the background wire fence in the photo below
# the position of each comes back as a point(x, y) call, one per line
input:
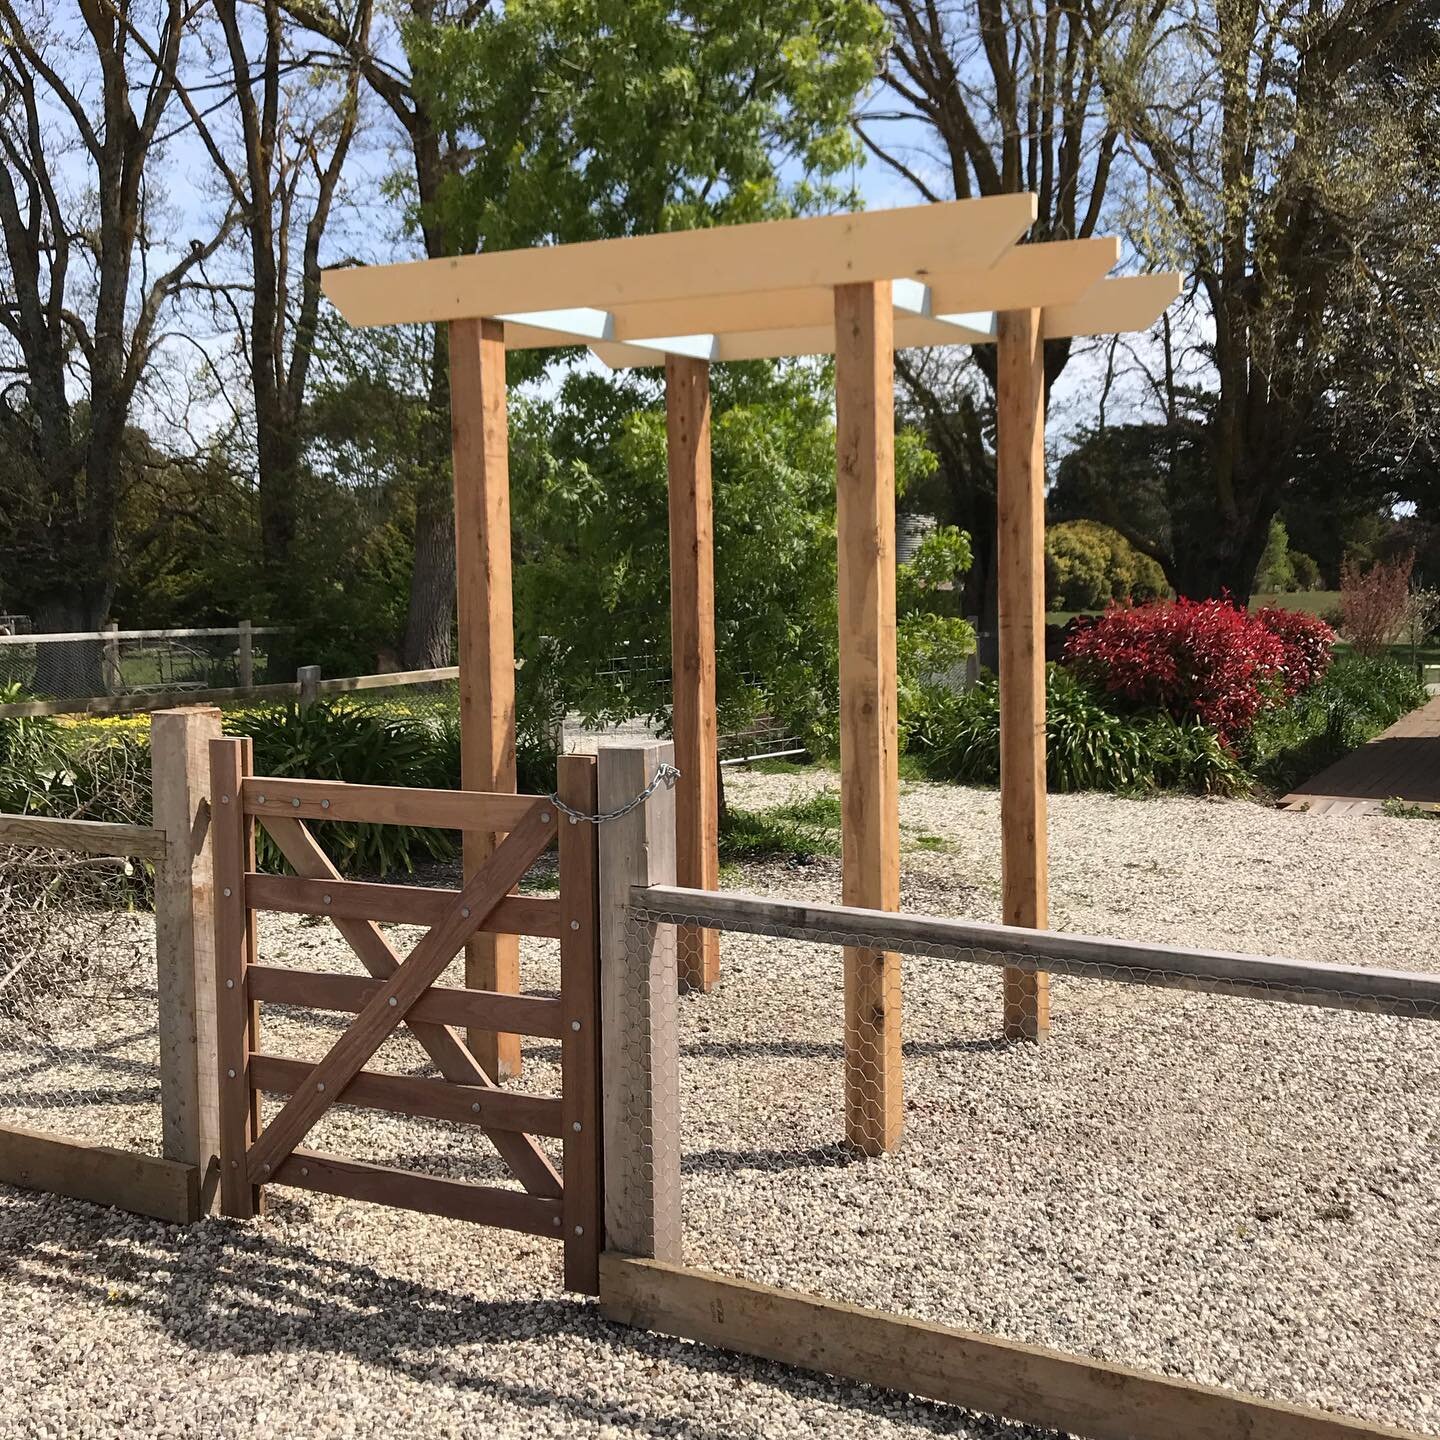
point(1233, 1191)
point(79, 1038)
point(140, 663)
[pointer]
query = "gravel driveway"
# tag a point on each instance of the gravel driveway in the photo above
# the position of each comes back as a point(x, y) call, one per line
point(1237, 1193)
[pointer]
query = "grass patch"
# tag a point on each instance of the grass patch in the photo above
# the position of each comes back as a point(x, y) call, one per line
point(935, 844)
point(1398, 809)
point(780, 766)
point(799, 831)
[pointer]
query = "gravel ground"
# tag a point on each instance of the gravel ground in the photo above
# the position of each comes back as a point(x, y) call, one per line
point(1233, 1192)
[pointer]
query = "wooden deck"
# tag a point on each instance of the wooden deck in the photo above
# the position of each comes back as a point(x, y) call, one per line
point(1402, 764)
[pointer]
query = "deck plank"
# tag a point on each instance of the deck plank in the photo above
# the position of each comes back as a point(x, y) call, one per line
point(1402, 764)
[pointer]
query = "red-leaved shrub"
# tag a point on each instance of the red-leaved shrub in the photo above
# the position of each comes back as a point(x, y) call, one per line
point(1374, 601)
point(1309, 646)
point(1204, 658)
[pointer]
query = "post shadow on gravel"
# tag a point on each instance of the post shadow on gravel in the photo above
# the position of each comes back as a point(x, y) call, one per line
point(218, 1288)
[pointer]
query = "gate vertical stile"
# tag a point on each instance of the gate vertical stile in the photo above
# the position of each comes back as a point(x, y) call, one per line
point(580, 1041)
point(238, 1015)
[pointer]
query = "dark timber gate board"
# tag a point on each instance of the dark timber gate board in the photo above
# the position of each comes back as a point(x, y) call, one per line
point(402, 992)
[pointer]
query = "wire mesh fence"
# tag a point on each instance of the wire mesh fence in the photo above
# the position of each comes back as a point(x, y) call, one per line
point(106, 664)
point(79, 1038)
point(1203, 1184)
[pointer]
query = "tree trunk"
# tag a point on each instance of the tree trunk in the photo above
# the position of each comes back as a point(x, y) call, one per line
point(431, 619)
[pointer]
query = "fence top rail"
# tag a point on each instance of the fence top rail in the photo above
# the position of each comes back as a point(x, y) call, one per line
point(275, 795)
point(88, 837)
point(141, 702)
point(343, 685)
point(51, 637)
point(1371, 989)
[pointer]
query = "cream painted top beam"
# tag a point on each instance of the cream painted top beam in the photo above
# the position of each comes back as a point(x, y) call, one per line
point(820, 251)
point(1057, 272)
point(1111, 307)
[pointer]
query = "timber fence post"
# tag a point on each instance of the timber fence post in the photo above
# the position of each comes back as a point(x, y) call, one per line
point(308, 677)
point(185, 940)
point(245, 655)
point(639, 1007)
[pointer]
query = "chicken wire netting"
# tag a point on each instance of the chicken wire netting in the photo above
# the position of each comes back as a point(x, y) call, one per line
point(133, 663)
point(1214, 1186)
point(79, 1037)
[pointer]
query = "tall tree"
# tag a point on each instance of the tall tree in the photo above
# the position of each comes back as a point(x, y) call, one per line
point(995, 97)
point(280, 149)
point(92, 261)
point(556, 120)
point(1292, 171)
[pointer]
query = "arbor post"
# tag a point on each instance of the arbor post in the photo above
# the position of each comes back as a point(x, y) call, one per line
point(1020, 561)
point(480, 443)
point(692, 650)
point(869, 761)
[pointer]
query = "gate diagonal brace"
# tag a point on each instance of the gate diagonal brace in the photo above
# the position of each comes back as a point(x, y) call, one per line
point(530, 1164)
point(421, 968)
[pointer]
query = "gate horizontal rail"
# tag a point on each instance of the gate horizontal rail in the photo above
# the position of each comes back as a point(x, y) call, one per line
point(538, 1015)
point(1371, 990)
point(536, 915)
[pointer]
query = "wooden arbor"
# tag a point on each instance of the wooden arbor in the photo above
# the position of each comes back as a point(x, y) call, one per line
point(856, 286)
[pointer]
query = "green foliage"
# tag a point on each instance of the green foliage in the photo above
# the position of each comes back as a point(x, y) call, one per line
point(339, 741)
point(1354, 702)
point(930, 640)
point(1283, 570)
point(799, 831)
point(1088, 564)
point(1088, 745)
point(589, 486)
point(609, 117)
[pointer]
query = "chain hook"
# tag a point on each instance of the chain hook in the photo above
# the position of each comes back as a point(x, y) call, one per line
point(665, 774)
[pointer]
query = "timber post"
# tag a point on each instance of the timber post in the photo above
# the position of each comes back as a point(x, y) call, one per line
point(1020, 561)
point(480, 445)
point(692, 651)
point(869, 758)
point(639, 1009)
point(185, 941)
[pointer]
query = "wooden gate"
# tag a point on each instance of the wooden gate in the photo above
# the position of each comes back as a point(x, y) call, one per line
point(403, 992)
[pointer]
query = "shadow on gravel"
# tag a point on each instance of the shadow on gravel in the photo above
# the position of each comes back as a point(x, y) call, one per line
point(224, 1288)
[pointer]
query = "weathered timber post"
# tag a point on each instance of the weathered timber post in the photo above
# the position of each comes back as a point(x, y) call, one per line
point(185, 940)
point(692, 650)
point(245, 655)
point(640, 1053)
point(1020, 561)
point(308, 678)
point(113, 682)
point(869, 758)
point(485, 606)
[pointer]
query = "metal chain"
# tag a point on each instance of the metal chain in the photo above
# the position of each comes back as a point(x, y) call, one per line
point(665, 775)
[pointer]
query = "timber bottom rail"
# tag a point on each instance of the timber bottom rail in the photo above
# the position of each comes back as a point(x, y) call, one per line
point(404, 993)
point(1076, 1394)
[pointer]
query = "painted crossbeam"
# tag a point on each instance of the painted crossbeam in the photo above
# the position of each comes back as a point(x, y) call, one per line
point(455, 1199)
